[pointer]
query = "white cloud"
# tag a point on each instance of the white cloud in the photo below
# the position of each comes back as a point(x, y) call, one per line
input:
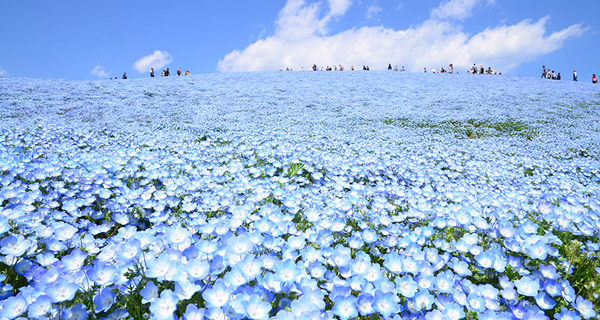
point(156, 60)
point(373, 11)
point(3, 72)
point(457, 9)
point(301, 39)
point(99, 71)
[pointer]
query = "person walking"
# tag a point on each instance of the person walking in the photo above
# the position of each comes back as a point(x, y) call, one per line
point(574, 75)
point(543, 72)
point(179, 71)
point(151, 72)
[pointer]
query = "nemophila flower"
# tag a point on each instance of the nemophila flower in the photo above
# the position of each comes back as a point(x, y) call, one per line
point(15, 245)
point(341, 256)
point(76, 312)
point(178, 235)
point(475, 303)
point(462, 268)
point(158, 267)
point(165, 306)
point(197, 269)
point(13, 307)
point(286, 271)
point(117, 315)
point(406, 286)
point(453, 311)
point(239, 245)
point(528, 286)
point(345, 307)
point(104, 300)
point(365, 304)
point(193, 313)
point(149, 292)
point(567, 292)
point(64, 232)
point(103, 274)
point(444, 282)
point(537, 250)
point(40, 308)
point(386, 303)
point(509, 293)
point(585, 307)
point(74, 260)
point(217, 295)
point(235, 277)
point(256, 308)
point(544, 301)
point(369, 236)
point(566, 314)
point(186, 289)
point(62, 290)
point(393, 262)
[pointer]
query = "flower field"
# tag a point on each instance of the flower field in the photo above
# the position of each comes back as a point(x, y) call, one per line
point(300, 195)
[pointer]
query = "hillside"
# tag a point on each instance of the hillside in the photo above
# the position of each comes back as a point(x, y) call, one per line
point(292, 194)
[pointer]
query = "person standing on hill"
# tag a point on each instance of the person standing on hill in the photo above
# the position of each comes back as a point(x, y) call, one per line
point(390, 66)
point(167, 72)
point(558, 76)
point(450, 68)
point(594, 79)
point(543, 72)
point(574, 75)
point(124, 75)
point(151, 72)
point(179, 71)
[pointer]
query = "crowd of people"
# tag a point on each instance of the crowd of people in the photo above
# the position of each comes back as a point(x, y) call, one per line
point(167, 72)
point(547, 73)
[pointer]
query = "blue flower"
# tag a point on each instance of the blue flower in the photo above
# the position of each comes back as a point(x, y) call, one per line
point(104, 300)
point(149, 293)
point(544, 301)
point(406, 286)
point(345, 307)
point(193, 313)
point(528, 286)
point(566, 314)
point(103, 274)
point(13, 307)
point(74, 260)
point(365, 304)
point(585, 308)
point(62, 290)
point(165, 306)
point(40, 308)
point(77, 311)
point(15, 245)
point(256, 308)
point(387, 303)
point(218, 295)
point(475, 303)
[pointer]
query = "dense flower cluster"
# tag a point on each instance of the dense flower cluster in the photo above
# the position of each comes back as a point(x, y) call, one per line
point(299, 196)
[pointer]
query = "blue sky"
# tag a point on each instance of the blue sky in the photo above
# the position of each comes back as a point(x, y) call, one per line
point(97, 39)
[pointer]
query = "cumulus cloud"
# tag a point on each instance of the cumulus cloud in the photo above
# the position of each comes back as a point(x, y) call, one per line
point(3, 73)
point(99, 71)
point(157, 60)
point(301, 39)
